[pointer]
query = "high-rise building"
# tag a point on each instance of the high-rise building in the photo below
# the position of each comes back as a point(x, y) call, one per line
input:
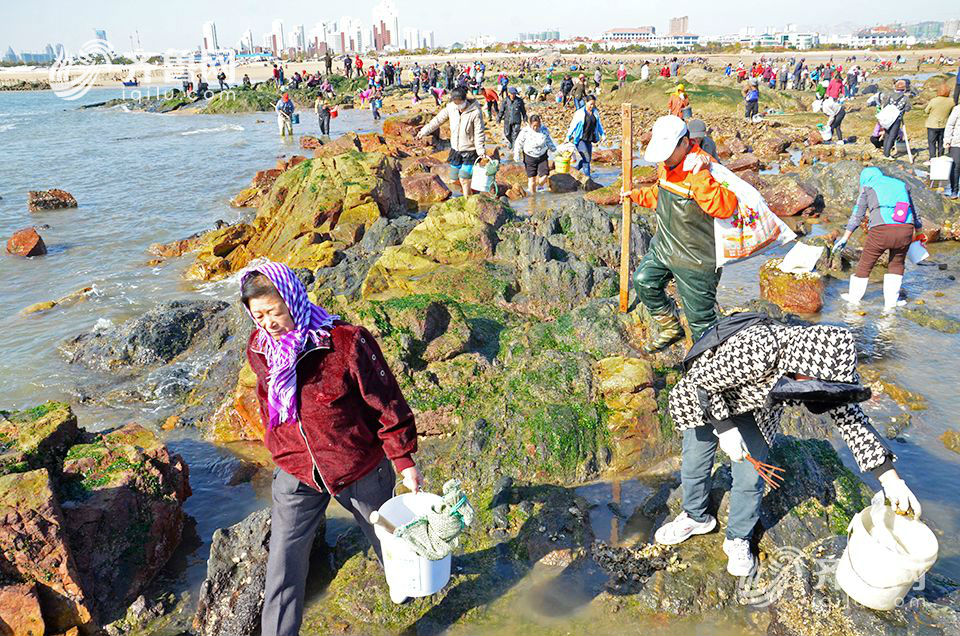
point(300, 38)
point(246, 42)
point(100, 34)
point(951, 28)
point(928, 31)
point(411, 39)
point(10, 55)
point(276, 29)
point(209, 37)
point(386, 18)
point(679, 26)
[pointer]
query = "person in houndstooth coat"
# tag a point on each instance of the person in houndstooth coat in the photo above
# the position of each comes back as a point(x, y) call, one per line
point(724, 400)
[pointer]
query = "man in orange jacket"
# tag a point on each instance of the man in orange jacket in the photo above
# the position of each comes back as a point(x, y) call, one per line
point(686, 198)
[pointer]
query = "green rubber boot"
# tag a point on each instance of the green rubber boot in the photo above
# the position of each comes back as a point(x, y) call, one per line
point(669, 331)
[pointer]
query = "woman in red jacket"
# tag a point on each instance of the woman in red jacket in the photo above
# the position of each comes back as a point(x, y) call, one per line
point(335, 420)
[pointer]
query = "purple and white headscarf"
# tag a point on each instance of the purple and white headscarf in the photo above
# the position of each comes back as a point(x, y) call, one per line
point(310, 321)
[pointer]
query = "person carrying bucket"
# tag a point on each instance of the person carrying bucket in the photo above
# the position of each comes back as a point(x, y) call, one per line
point(892, 220)
point(738, 378)
point(285, 108)
point(467, 135)
point(335, 421)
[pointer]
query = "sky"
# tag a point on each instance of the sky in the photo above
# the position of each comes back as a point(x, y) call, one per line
point(29, 26)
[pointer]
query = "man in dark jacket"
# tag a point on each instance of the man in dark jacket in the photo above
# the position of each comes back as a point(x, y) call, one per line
point(449, 73)
point(328, 62)
point(565, 87)
point(513, 114)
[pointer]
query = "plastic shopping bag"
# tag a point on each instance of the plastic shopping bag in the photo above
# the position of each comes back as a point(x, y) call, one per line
point(887, 115)
point(753, 228)
point(482, 179)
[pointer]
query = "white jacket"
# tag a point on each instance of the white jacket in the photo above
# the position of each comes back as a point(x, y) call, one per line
point(467, 131)
point(533, 142)
point(951, 134)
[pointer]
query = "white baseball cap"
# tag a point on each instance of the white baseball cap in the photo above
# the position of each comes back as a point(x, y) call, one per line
point(667, 132)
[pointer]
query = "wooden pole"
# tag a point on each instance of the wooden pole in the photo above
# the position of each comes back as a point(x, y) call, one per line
point(626, 152)
point(906, 141)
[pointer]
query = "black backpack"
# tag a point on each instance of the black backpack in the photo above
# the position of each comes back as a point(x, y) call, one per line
point(726, 327)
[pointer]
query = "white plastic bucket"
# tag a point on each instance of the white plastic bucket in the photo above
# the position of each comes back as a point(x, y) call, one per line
point(940, 168)
point(409, 575)
point(917, 252)
point(886, 554)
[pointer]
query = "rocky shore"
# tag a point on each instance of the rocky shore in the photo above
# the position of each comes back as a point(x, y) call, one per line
point(501, 321)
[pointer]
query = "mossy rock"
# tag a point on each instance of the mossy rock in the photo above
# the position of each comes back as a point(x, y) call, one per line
point(239, 100)
point(311, 212)
point(446, 253)
point(36, 437)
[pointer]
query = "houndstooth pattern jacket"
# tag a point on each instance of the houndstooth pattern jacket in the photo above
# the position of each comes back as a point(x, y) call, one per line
point(738, 375)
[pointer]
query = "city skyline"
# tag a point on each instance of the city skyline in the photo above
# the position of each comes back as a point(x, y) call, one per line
point(174, 25)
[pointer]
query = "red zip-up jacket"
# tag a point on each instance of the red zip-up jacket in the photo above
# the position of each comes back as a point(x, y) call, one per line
point(352, 412)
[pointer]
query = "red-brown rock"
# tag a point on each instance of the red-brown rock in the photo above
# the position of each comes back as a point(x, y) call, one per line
point(735, 145)
point(403, 125)
point(20, 611)
point(310, 142)
point(264, 178)
point(34, 543)
point(345, 143)
point(38, 200)
point(372, 142)
point(610, 156)
point(126, 521)
point(797, 293)
point(746, 161)
point(424, 188)
point(411, 165)
point(814, 138)
point(26, 242)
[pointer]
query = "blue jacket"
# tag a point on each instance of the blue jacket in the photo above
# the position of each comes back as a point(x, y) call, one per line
point(284, 107)
point(575, 132)
point(886, 199)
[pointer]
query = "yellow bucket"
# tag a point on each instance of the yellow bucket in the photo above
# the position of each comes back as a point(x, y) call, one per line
point(562, 162)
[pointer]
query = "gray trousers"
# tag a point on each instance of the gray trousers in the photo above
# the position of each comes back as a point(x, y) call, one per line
point(295, 516)
point(699, 450)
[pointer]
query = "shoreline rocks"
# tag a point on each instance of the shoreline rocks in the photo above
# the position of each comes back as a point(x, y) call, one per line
point(26, 242)
point(89, 518)
point(797, 293)
point(55, 199)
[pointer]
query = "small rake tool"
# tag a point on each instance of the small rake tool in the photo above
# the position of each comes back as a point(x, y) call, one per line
point(769, 473)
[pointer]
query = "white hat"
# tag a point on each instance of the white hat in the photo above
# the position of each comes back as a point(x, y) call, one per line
point(667, 131)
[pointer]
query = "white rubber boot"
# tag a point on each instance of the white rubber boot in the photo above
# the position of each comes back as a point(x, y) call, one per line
point(891, 291)
point(858, 287)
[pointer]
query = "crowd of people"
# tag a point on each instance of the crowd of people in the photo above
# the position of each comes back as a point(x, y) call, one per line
point(730, 396)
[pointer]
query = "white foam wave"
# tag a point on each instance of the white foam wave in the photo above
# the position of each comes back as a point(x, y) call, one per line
point(6, 127)
point(223, 128)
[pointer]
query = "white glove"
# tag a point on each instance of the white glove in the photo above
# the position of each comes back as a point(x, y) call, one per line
point(694, 162)
point(731, 443)
point(900, 496)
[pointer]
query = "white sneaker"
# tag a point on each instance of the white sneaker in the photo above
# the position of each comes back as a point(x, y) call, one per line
point(682, 528)
point(740, 560)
